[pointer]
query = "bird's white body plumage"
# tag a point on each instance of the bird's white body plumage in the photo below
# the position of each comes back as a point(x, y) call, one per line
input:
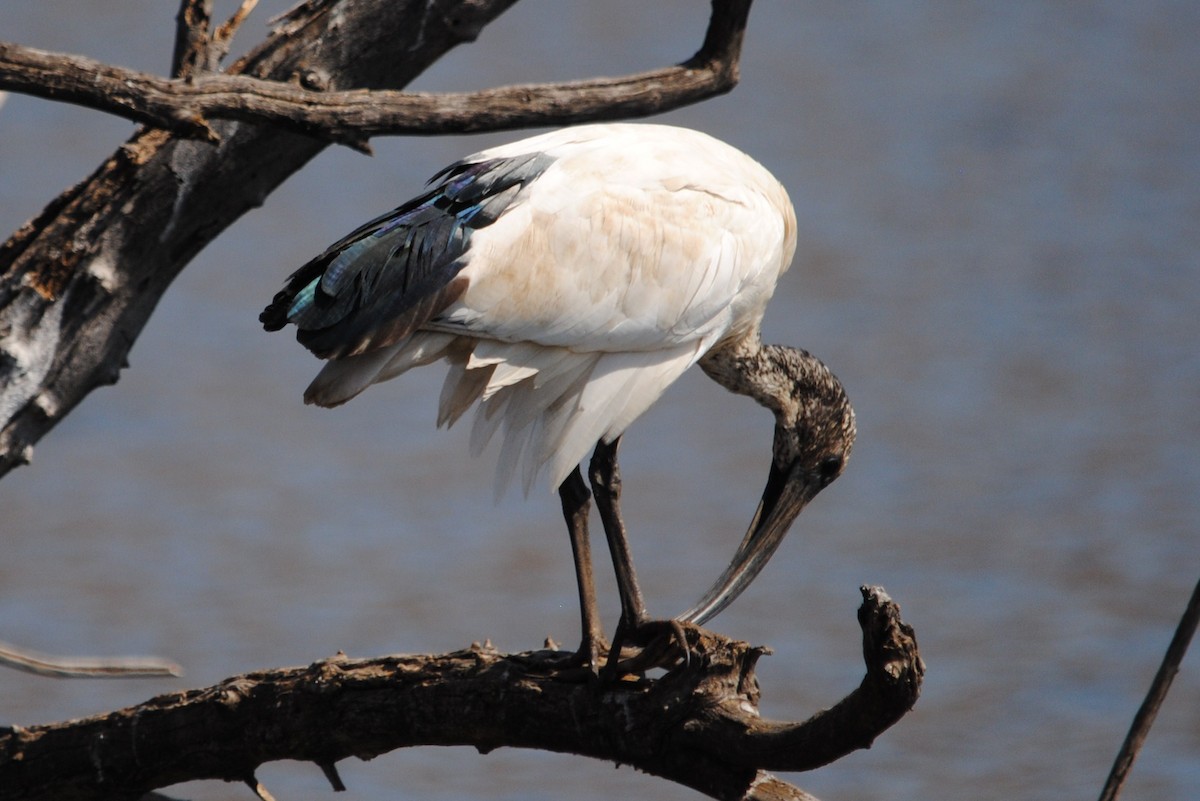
point(639, 249)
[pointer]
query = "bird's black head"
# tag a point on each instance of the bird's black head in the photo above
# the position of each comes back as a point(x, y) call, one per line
point(814, 422)
point(814, 433)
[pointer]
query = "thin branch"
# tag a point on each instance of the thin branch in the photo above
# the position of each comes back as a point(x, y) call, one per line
point(259, 789)
point(186, 106)
point(191, 39)
point(126, 667)
point(223, 36)
point(771, 788)
point(698, 725)
point(1144, 718)
point(332, 776)
point(196, 51)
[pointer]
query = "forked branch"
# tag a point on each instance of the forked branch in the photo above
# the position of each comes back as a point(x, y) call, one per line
point(196, 50)
point(698, 725)
point(187, 105)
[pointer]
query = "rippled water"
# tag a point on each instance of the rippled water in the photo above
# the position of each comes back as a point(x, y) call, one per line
point(1000, 257)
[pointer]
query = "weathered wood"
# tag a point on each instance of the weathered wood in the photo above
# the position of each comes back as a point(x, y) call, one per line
point(191, 39)
point(85, 667)
point(697, 725)
point(78, 283)
point(187, 107)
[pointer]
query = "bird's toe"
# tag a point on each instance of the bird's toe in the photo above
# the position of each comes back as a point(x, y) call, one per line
point(648, 645)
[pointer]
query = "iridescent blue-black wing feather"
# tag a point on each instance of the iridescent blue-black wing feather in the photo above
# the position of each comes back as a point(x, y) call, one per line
point(395, 273)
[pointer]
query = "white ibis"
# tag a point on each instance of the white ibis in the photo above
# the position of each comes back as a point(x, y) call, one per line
point(567, 279)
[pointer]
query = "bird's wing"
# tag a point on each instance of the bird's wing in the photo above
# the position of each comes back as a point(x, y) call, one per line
point(380, 283)
point(593, 263)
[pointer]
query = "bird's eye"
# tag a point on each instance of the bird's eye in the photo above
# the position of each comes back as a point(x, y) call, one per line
point(830, 467)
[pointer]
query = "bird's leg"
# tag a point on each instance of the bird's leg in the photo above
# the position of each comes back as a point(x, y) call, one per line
point(635, 623)
point(575, 496)
point(606, 484)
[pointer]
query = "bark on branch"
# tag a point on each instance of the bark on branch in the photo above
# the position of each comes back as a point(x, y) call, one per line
point(196, 50)
point(79, 281)
point(187, 106)
point(697, 725)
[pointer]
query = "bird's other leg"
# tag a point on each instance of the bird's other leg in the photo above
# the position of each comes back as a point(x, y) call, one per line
point(606, 485)
point(575, 497)
point(635, 624)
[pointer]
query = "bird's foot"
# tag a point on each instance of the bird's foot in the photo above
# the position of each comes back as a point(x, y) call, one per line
point(636, 649)
point(650, 644)
point(582, 664)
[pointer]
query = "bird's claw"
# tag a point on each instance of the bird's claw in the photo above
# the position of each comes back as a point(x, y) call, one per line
point(657, 643)
point(582, 664)
point(636, 649)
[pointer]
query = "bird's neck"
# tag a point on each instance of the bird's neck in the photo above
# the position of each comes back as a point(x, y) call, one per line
point(774, 375)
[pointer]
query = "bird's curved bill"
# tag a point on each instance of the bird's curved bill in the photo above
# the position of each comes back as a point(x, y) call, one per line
point(785, 495)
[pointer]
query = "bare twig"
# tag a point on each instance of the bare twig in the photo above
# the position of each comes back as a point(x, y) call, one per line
point(186, 106)
point(196, 51)
point(332, 776)
point(698, 725)
point(191, 39)
point(1144, 718)
point(128, 667)
point(223, 36)
point(259, 789)
point(771, 788)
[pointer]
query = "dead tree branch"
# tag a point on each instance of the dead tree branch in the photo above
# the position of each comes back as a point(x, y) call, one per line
point(191, 39)
point(79, 281)
point(1144, 719)
point(80, 667)
point(187, 106)
point(698, 725)
point(196, 50)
